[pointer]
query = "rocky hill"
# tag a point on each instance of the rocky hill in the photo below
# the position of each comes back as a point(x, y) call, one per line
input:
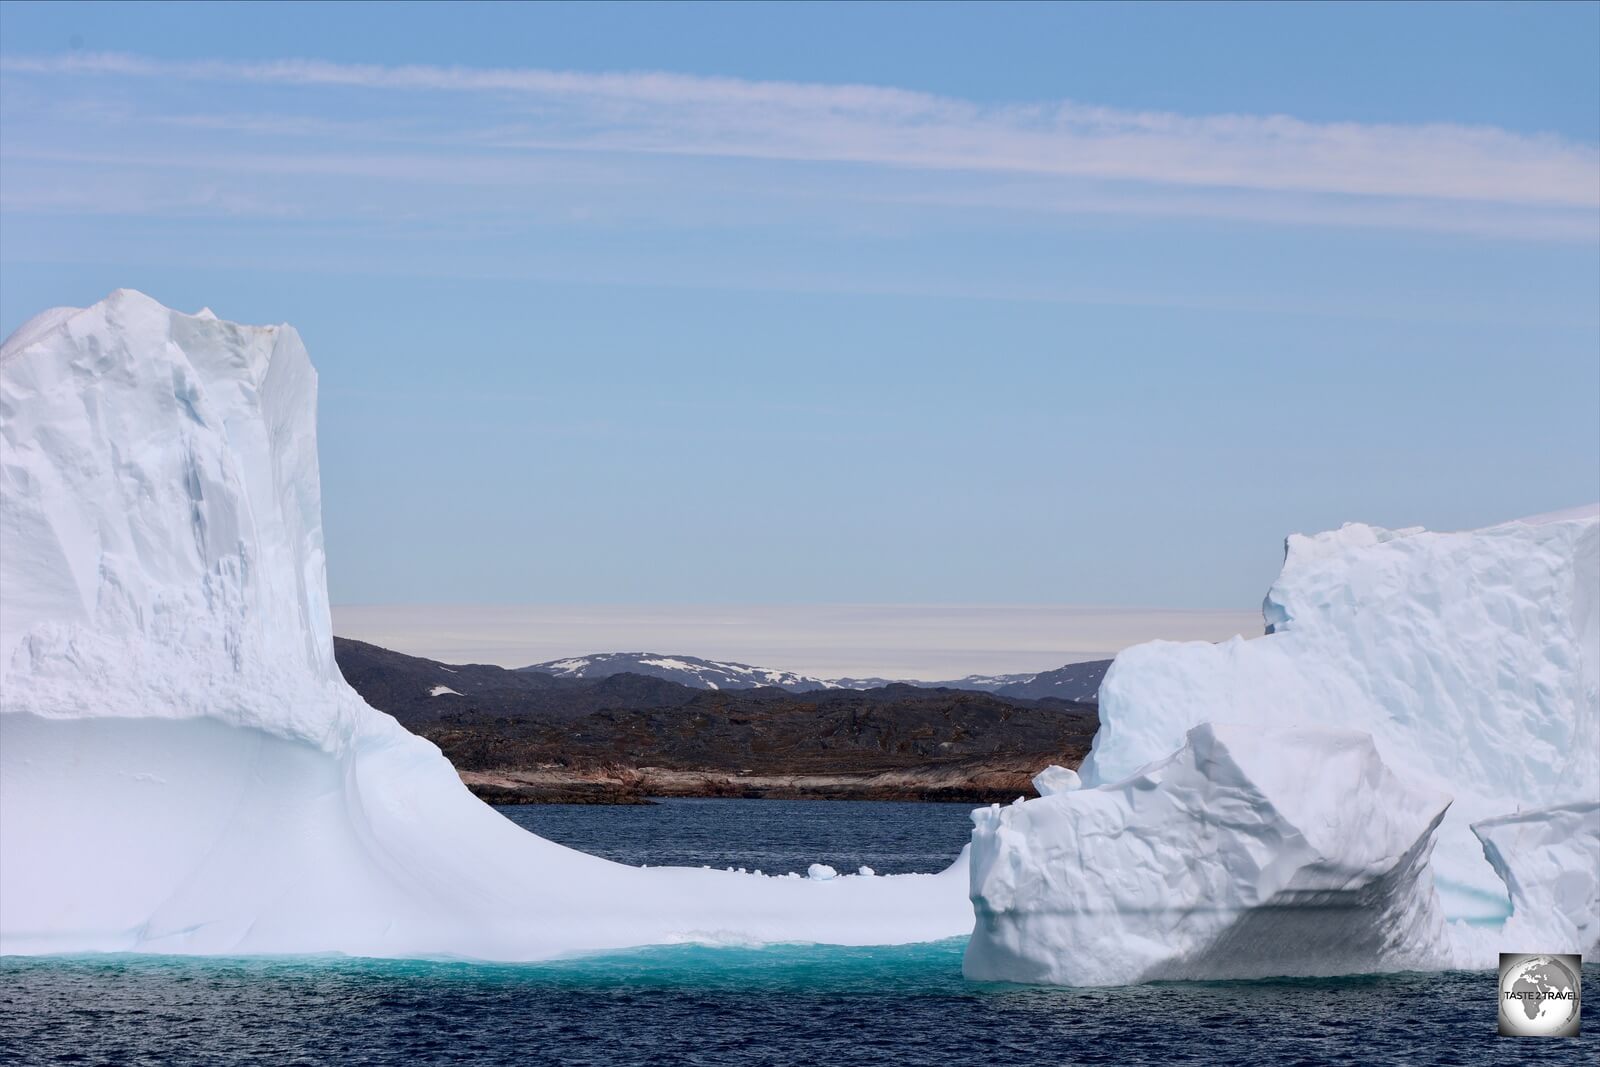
point(526, 736)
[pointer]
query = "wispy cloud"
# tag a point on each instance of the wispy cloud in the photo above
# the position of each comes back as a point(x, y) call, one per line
point(663, 113)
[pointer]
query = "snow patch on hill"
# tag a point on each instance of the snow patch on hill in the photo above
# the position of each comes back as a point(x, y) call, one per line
point(1077, 681)
point(691, 671)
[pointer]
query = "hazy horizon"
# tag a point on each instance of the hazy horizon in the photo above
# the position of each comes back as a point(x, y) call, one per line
point(925, 642)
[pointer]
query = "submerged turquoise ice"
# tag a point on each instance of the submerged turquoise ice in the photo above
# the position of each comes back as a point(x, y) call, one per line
point(709, 1007)
point(909, 970)
point(921, 969)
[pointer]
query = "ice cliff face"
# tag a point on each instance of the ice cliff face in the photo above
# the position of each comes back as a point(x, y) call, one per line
point(182, 768)
point(162, 523)
point(1470, 661)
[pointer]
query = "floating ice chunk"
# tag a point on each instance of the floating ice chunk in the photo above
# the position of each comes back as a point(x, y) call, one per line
point(865, 871)
point(821, 872)
point(1247, 853)
point(1054, 779)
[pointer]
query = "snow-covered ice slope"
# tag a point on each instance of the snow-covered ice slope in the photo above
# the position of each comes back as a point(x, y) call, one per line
point(1473, 659)
point(182, 768)
point(1246, 853)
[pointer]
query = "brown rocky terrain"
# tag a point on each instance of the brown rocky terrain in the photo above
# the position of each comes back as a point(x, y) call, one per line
point(624, 739)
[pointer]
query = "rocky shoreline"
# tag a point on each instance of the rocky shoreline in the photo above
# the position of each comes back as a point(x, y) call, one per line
point(969, 784)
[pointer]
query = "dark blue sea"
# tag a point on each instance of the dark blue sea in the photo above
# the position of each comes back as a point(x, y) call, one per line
point(712, 1006)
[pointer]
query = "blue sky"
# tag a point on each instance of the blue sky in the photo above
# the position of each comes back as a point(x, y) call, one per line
point(895, 304)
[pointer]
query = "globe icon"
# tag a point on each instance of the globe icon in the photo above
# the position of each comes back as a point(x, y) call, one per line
point(1538, 997)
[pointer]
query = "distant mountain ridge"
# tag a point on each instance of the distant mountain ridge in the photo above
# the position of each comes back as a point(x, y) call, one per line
point(692, 671)
point(1078, 682)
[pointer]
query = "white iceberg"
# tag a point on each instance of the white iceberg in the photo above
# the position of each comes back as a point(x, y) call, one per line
point(1471, 661)
point(1246, 853)
point(182, 768)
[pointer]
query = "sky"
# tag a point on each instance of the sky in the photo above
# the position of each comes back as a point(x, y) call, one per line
point(866, 304)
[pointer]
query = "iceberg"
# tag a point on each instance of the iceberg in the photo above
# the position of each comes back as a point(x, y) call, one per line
point(1469, 666)
point(182, 768)
point(1246, 853)
point(1472, 658)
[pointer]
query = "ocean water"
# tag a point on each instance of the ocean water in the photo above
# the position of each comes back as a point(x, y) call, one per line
point(702, 1006)
point(773, 836)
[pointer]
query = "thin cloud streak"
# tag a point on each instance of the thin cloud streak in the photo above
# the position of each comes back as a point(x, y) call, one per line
point(706, 116)
point(476, 170)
